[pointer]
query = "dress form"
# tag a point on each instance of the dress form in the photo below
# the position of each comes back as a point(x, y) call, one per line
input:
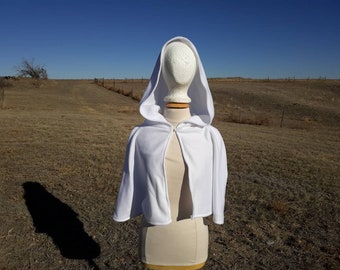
point(183, 244)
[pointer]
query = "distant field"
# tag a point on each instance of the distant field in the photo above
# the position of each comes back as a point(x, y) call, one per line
point(290, 103)
point(62, 148)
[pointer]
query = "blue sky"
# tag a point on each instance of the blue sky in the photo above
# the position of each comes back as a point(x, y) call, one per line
point(122, 39)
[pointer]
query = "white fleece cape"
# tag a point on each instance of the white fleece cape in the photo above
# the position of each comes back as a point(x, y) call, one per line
point(143, 188)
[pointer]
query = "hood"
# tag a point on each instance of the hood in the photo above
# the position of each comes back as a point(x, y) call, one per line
point(201, 107)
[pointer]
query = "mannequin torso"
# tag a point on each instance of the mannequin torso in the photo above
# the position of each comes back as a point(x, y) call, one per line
point(183, 244)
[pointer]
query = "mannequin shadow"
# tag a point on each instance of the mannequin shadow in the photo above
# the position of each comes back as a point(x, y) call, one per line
point(60, 222)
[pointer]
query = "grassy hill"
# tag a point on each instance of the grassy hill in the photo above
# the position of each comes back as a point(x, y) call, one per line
point(62, 148)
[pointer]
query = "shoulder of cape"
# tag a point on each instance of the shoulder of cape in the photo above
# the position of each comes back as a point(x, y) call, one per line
point(215, 134)
point(146, 128)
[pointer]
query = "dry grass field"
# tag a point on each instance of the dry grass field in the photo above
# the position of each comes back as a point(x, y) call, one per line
point(62, 147)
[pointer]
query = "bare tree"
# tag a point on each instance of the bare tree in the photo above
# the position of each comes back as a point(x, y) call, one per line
point(29, 69)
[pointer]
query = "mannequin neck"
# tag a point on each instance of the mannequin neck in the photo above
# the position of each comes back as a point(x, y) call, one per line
point(176, 87)
point(178, 93)
point(175, 115)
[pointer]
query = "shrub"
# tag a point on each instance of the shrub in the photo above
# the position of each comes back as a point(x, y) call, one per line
point(29, 69)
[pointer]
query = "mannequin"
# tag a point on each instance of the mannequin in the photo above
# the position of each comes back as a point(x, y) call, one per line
point(175, 169)
point(182, 244)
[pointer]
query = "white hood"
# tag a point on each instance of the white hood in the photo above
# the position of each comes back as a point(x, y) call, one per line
point(201, 107)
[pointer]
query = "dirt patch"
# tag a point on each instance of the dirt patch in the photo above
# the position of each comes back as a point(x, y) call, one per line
point(62, 148)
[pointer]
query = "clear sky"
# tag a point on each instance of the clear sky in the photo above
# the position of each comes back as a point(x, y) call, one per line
point(122, 39)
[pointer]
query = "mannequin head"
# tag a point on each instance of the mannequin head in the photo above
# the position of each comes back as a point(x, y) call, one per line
point(179, 68)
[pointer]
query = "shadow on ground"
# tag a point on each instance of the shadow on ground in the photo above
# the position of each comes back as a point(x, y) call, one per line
point(60, 222)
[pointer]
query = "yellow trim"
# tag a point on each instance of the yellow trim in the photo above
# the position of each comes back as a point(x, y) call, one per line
point(176, 105)
point(168, 267)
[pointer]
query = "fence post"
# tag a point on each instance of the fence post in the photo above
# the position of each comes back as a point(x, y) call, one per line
point(282, 115)
point(2, 97)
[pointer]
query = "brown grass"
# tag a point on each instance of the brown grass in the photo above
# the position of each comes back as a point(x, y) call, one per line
point(69, 138)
